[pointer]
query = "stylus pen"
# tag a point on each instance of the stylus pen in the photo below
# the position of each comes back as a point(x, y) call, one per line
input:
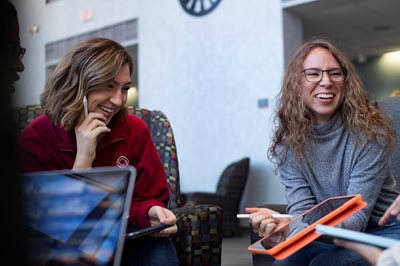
point(277, 216)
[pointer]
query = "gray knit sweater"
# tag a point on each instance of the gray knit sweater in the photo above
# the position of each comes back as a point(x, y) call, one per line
point(335, 164)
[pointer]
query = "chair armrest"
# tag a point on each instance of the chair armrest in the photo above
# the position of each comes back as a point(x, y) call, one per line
point(199, 237)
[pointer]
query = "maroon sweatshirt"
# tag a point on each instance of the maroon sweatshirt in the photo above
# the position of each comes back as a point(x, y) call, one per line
point(45, 146)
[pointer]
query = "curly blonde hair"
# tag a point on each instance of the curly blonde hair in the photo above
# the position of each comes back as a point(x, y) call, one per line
point(293, 118)
point(88, 66)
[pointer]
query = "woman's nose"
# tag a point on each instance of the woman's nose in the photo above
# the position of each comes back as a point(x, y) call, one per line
point(116, 98)
point(325, 80)
point(19, 66)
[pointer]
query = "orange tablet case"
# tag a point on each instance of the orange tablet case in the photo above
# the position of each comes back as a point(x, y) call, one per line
point(308, 234)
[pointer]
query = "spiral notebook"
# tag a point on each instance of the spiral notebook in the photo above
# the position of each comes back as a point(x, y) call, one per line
point(77, 218)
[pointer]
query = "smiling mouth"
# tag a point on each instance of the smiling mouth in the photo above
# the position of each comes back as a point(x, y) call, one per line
point(105, 109)
point(325, 96)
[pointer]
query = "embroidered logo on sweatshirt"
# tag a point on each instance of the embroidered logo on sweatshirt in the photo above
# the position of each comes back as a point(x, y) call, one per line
point(122, 162)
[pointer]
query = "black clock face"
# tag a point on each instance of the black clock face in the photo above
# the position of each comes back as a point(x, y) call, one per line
point(199, 7)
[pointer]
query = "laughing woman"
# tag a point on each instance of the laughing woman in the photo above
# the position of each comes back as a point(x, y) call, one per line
point(330, 140)
point(75, 135)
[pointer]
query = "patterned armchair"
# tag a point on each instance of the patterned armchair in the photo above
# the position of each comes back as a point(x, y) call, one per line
point(199, 237)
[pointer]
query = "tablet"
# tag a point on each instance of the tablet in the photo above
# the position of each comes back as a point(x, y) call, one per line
point(300, 231)
point(135, 233)
point(365, 238)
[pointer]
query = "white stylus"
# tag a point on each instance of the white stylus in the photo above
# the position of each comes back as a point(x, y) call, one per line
point(85, 107)
point(281, 216)
point(277, 216)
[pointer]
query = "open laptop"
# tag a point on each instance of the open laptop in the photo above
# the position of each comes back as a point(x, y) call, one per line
point(77, 218)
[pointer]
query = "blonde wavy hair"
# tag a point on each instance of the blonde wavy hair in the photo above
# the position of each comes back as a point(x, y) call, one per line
point(293, 118)
point(88, 66)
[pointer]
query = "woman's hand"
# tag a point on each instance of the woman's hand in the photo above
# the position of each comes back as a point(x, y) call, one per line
point(393, 210)
point(87, 136)
point(158, 215)
point(368, 252)
point(262, 221)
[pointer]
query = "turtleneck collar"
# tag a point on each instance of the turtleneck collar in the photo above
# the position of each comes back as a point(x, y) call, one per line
point(332, 125)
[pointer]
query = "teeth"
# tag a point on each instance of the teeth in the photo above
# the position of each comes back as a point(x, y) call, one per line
point(108, 110)
point(325, 96)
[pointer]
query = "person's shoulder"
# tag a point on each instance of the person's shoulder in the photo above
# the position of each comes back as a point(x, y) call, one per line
point(41, 119)
point(39, 128)
point(132, 124)
point(135, 121)
point(42, 122)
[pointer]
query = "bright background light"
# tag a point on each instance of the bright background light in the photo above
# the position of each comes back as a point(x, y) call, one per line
point(132, 97)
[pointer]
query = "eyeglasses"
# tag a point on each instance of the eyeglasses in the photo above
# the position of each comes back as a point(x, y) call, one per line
point(17, 52)
point(315, 74)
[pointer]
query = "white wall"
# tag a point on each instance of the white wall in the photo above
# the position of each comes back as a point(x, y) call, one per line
point(206, 73)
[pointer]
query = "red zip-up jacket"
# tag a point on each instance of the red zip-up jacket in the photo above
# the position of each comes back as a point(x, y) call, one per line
point(45, 146)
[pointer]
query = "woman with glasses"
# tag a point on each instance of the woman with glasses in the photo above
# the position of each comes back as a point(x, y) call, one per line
point(330, 140)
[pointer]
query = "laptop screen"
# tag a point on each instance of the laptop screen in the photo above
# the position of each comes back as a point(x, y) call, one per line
point(77, 218)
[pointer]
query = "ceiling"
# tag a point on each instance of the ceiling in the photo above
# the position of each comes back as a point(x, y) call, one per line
point(366, 27)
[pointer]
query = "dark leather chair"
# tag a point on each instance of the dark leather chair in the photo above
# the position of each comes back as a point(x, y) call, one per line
point(229, 192)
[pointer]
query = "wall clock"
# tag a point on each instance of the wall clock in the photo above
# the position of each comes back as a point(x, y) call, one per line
point(199, 7)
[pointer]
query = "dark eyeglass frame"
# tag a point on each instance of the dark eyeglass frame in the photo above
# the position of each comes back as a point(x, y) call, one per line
point(17, 52)
point(330, 73)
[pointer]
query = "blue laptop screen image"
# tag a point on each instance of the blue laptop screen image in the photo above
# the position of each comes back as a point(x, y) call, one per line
point(77, 218)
